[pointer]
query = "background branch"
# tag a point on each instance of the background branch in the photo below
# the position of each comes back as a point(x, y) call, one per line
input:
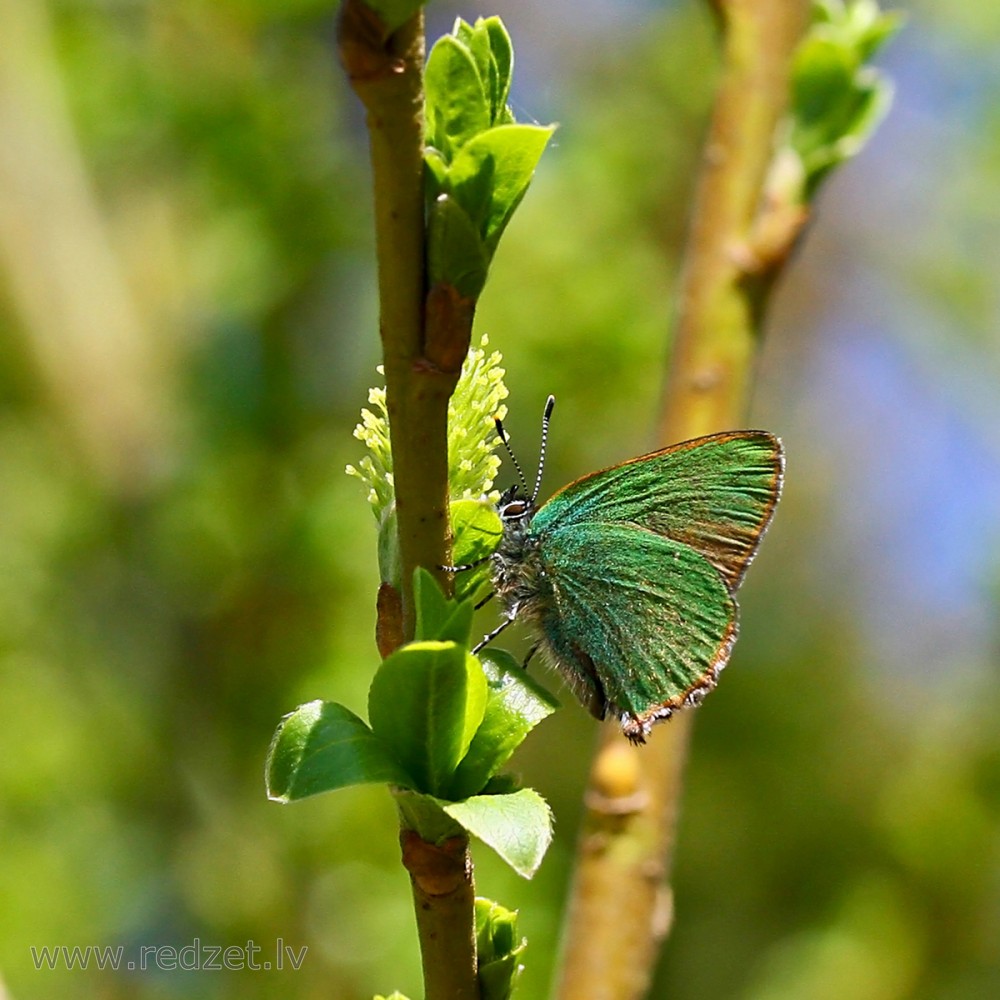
point(93, 348)
point(621, 905)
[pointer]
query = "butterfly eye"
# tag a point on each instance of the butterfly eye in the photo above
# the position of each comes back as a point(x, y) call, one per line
point(516, 508)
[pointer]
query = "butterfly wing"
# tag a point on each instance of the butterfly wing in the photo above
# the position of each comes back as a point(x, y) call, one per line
point(639, 624)
point(715, 494)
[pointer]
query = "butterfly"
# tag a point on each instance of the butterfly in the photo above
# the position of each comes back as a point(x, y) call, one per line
point(626, 578)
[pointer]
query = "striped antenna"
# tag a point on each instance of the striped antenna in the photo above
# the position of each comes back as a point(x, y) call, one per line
point(510, 451)
point(546, 417)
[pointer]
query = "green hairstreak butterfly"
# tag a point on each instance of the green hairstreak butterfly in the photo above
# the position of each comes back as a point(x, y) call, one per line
point(626, 578)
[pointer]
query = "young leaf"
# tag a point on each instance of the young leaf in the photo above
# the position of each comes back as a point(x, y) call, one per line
point(837, 99)
point(516, 704)
point(457, 105)
point(502, 784)
point(437, 616)
point(322, 746)
point(390, 562)
point(489, 45)
point(466, 82)
point(822, 76)
point(426, 702)
point(498, 978)
point(458, 626)
point(476, 530)
point(498, 950)
point(477, 40)
point(490, 174)
point(456, 254)
point(423, 814)
point(432, 606)
point(503, 58)
point(436, 177)
point(517, 826)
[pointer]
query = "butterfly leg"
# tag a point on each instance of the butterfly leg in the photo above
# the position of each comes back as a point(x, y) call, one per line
point(531, 652)
point(464, 567)
point(490, 636)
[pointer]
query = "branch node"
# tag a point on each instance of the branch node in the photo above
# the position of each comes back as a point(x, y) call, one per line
point(616, 782)
point(436, 869)
point(366, 46)
point(389, 620)
point(448, 328)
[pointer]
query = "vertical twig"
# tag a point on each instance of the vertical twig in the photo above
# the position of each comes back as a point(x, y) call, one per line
point(422, 353)
point(386, 72)
point(621, 906)
point(443, 898)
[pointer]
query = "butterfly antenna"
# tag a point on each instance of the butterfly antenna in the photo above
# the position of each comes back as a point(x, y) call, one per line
point(546, 417)
point(510, 451)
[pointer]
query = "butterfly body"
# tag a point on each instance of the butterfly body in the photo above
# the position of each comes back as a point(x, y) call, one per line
point(626, 577)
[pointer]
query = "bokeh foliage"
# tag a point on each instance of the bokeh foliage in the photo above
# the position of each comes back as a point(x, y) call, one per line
point(167, 593)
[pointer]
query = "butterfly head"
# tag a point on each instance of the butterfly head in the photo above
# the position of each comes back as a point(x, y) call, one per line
point(515, 566)
point(517, 572)
point(516, 506)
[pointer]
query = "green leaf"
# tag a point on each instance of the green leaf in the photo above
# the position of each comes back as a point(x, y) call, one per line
point(497, 979)
point(436, 179)
point(457, 104)
point(477, 41)
point(390, 562)
point(878, 32)
point(503, 59)
point(426, 702)
point(858, 24)
point(502, 784)
point(490, 47)
point(496, 930)
point(438, 617)
point(458, 626)
point(456, 254)
point(476, 530)
point(516, 704)
point(498, 950)
point(431, 605)
point(424, 814)
point(871, 106)
point(837, 100)
point(322, 746)
point(822, 75)
point(478, 161)
point(392, 996)
point(490, 175)
point(517, 826)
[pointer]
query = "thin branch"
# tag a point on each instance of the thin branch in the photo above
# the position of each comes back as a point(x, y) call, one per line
point(422, 352)
point(718, 323)
point(386, 73)
point(622, 907)
point(443, 896)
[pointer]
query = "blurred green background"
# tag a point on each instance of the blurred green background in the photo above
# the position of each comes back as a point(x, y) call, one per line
point(187, 332)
